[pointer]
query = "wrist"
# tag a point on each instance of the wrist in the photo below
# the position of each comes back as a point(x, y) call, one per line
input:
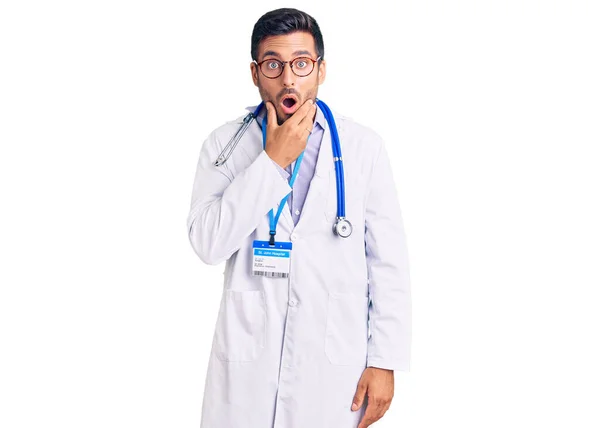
point(278, 161)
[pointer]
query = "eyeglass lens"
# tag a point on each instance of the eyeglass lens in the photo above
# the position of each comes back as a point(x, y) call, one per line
point(300, 66)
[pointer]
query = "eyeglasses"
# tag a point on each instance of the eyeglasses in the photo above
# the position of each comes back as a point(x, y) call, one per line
point(301, 66)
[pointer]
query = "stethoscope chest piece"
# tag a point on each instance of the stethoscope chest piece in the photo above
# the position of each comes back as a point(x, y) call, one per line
point(342, 227)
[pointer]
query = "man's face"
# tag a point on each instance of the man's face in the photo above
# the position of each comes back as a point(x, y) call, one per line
point(286, 48)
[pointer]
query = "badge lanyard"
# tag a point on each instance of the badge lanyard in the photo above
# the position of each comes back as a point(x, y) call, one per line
point(273, 220)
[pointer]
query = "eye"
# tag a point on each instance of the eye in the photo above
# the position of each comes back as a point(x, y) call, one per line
point(301, 63)
point(272, 65)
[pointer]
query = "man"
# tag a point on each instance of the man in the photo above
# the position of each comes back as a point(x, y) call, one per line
point(312, 324)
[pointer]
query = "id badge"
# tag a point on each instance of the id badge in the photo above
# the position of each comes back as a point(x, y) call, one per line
point(271, 261)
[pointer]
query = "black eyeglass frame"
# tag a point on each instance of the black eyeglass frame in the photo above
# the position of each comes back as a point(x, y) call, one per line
point(283, 63)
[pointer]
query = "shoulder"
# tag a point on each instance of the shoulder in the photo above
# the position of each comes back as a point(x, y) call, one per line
point(357, 132)
point(359, 139)
point(218, 138)
point(361, 145)
point(227, 129)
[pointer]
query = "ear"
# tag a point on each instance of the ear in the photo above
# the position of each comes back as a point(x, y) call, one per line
point(322, 71)
point(254, 71)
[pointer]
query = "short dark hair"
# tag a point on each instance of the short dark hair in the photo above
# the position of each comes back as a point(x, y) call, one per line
point(284, 21)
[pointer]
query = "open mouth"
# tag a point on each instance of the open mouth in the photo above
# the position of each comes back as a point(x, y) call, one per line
point(289, 104)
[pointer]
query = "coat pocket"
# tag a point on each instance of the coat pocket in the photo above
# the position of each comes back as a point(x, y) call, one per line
point(241, 326)
point(347, 329)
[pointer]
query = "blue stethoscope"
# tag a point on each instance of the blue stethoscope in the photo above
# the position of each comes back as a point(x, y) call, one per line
point(342, 226)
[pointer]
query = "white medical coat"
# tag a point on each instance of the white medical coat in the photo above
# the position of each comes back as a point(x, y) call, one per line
point(288, 352)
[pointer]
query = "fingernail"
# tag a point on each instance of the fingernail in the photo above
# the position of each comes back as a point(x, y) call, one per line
point(311, 101)
point(354, 406)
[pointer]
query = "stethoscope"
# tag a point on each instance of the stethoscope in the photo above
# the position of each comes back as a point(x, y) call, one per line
point(342, 226)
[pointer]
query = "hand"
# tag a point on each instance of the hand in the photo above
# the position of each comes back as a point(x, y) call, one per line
point(378, 384)
point(285, 143)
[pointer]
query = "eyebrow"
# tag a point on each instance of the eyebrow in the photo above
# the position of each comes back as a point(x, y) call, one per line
point(294, 54)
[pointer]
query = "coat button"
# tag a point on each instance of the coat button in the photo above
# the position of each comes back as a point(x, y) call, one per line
point(292, 302)
point(293, 237)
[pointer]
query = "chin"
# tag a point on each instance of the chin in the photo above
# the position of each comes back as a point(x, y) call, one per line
point(282, 117)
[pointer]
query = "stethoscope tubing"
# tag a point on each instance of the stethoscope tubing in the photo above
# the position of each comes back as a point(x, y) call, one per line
point(337, 154)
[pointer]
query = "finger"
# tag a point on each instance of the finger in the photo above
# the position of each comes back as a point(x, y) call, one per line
point(312, 107)
point(308, 120)
point(364, 422)
point(299, 114)
point(359, 396)
point(368, 419)
point(369, 416)
point(271, 115)
point(384, 410)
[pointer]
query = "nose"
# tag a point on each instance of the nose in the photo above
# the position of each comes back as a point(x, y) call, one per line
point(288, 76)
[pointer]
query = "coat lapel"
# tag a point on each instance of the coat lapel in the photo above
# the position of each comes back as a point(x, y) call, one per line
point(316, 197)
point(285, 215)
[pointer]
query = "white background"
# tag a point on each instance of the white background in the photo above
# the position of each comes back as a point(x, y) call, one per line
point(490, 111)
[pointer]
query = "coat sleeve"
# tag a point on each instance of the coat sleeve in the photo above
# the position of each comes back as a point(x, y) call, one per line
point(225, 209)
point(390, 309)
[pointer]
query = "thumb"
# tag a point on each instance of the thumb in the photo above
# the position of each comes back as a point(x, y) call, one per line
point(271, 114)
point(357, 401)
